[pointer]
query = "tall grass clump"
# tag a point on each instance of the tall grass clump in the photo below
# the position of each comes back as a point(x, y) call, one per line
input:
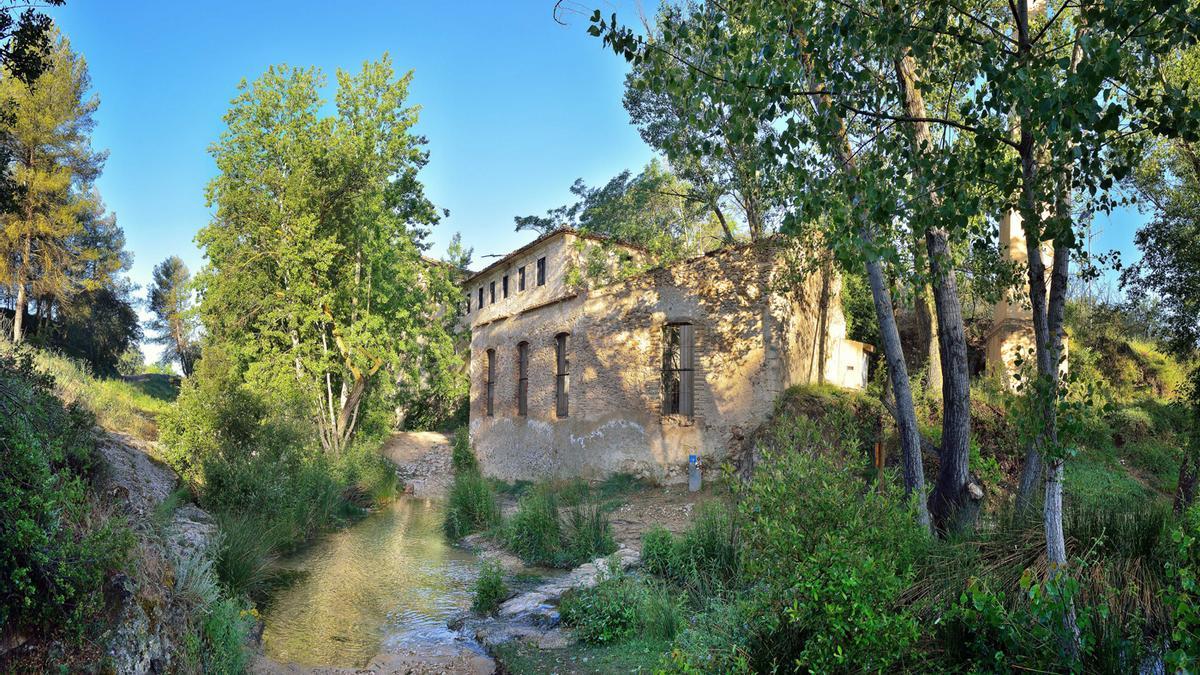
point(462, 458)
point(471, 505)
point(534, 532)
point(541, 533)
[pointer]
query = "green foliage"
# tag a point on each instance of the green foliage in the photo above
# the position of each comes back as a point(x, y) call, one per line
point(490, 590)
point(705, 561)
point(99, 326)
point(1183, 593)
point(170, 300)
point(462, 457)
point(829, 562)
point(651, 210)
point(58, 546)
point(258, 470)
point(542, 535)
point(364, 329)
point(471, 505)
point(658, 550)
point(620, 607)
point(859, 309)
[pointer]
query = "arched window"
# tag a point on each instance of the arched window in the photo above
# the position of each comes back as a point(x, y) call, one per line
point(491, 381)
point(523, 378)
point(562, 380)
point(678, 371)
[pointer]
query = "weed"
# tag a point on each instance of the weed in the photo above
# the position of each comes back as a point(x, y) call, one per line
point(471, 506)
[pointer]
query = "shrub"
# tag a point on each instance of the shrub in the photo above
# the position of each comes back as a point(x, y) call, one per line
point(462, 458)
point(657, 551)
point(610, 611)
point(57, 545)
point(826, 557)
point(471, 505)
point(490, 590)
point(226, 630)
point(1130, 424)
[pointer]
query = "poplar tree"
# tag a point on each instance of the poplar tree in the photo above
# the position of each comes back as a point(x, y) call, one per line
point(315, 279)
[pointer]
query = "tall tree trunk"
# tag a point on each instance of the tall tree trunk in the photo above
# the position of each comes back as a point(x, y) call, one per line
point(1047, 309)
point(22, 281)
point(950, 493)
point(889, 333)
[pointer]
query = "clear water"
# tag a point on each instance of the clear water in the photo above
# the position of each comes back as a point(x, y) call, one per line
point(389, 581)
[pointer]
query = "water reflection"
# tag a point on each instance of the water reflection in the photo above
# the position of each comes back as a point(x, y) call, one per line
point(388, 581)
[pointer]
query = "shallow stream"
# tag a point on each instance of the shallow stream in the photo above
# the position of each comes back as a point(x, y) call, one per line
point(385, 583)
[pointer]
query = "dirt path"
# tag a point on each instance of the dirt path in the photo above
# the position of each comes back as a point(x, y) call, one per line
point(422, 459)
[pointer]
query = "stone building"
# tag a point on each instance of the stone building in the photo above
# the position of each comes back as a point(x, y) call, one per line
point(1010, 339)
point(572, 376)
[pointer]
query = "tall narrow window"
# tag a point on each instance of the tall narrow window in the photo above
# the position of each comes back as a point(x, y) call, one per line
point(541, 271)
point(562, 381)
point(481, 297)
point(523, 378)
point(521, 279)
point(468, 303)
point(678, 369)
point(492, 289)
point(504, 284)
point(490, 383)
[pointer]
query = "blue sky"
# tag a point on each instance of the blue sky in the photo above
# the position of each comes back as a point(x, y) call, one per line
point(515, 106)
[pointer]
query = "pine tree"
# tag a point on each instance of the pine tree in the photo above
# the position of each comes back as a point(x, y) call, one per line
point(53, 164)
point(170, 300)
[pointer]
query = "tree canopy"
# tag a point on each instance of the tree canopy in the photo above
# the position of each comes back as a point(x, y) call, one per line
point(315, 280)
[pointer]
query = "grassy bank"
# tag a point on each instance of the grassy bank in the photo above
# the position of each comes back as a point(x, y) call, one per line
point(257, 468)
point(817, 567)
point(66, 544)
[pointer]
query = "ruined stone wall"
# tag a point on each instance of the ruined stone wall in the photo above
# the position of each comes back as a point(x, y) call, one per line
point(754, 336)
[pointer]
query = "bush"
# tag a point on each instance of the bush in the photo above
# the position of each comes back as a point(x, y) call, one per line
point(57, 544)
point(610, 611)
point(1130, 424)
point(490, 590)
point(824, 560)
point(471, 506)
point(658, 547)
point(462, 457)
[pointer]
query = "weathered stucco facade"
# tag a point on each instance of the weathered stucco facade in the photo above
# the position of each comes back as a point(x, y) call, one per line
point(1010, 339)
point(755, 330)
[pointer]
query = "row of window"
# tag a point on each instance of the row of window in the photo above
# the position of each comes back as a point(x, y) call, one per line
point(678, 373)
point(540, 271)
